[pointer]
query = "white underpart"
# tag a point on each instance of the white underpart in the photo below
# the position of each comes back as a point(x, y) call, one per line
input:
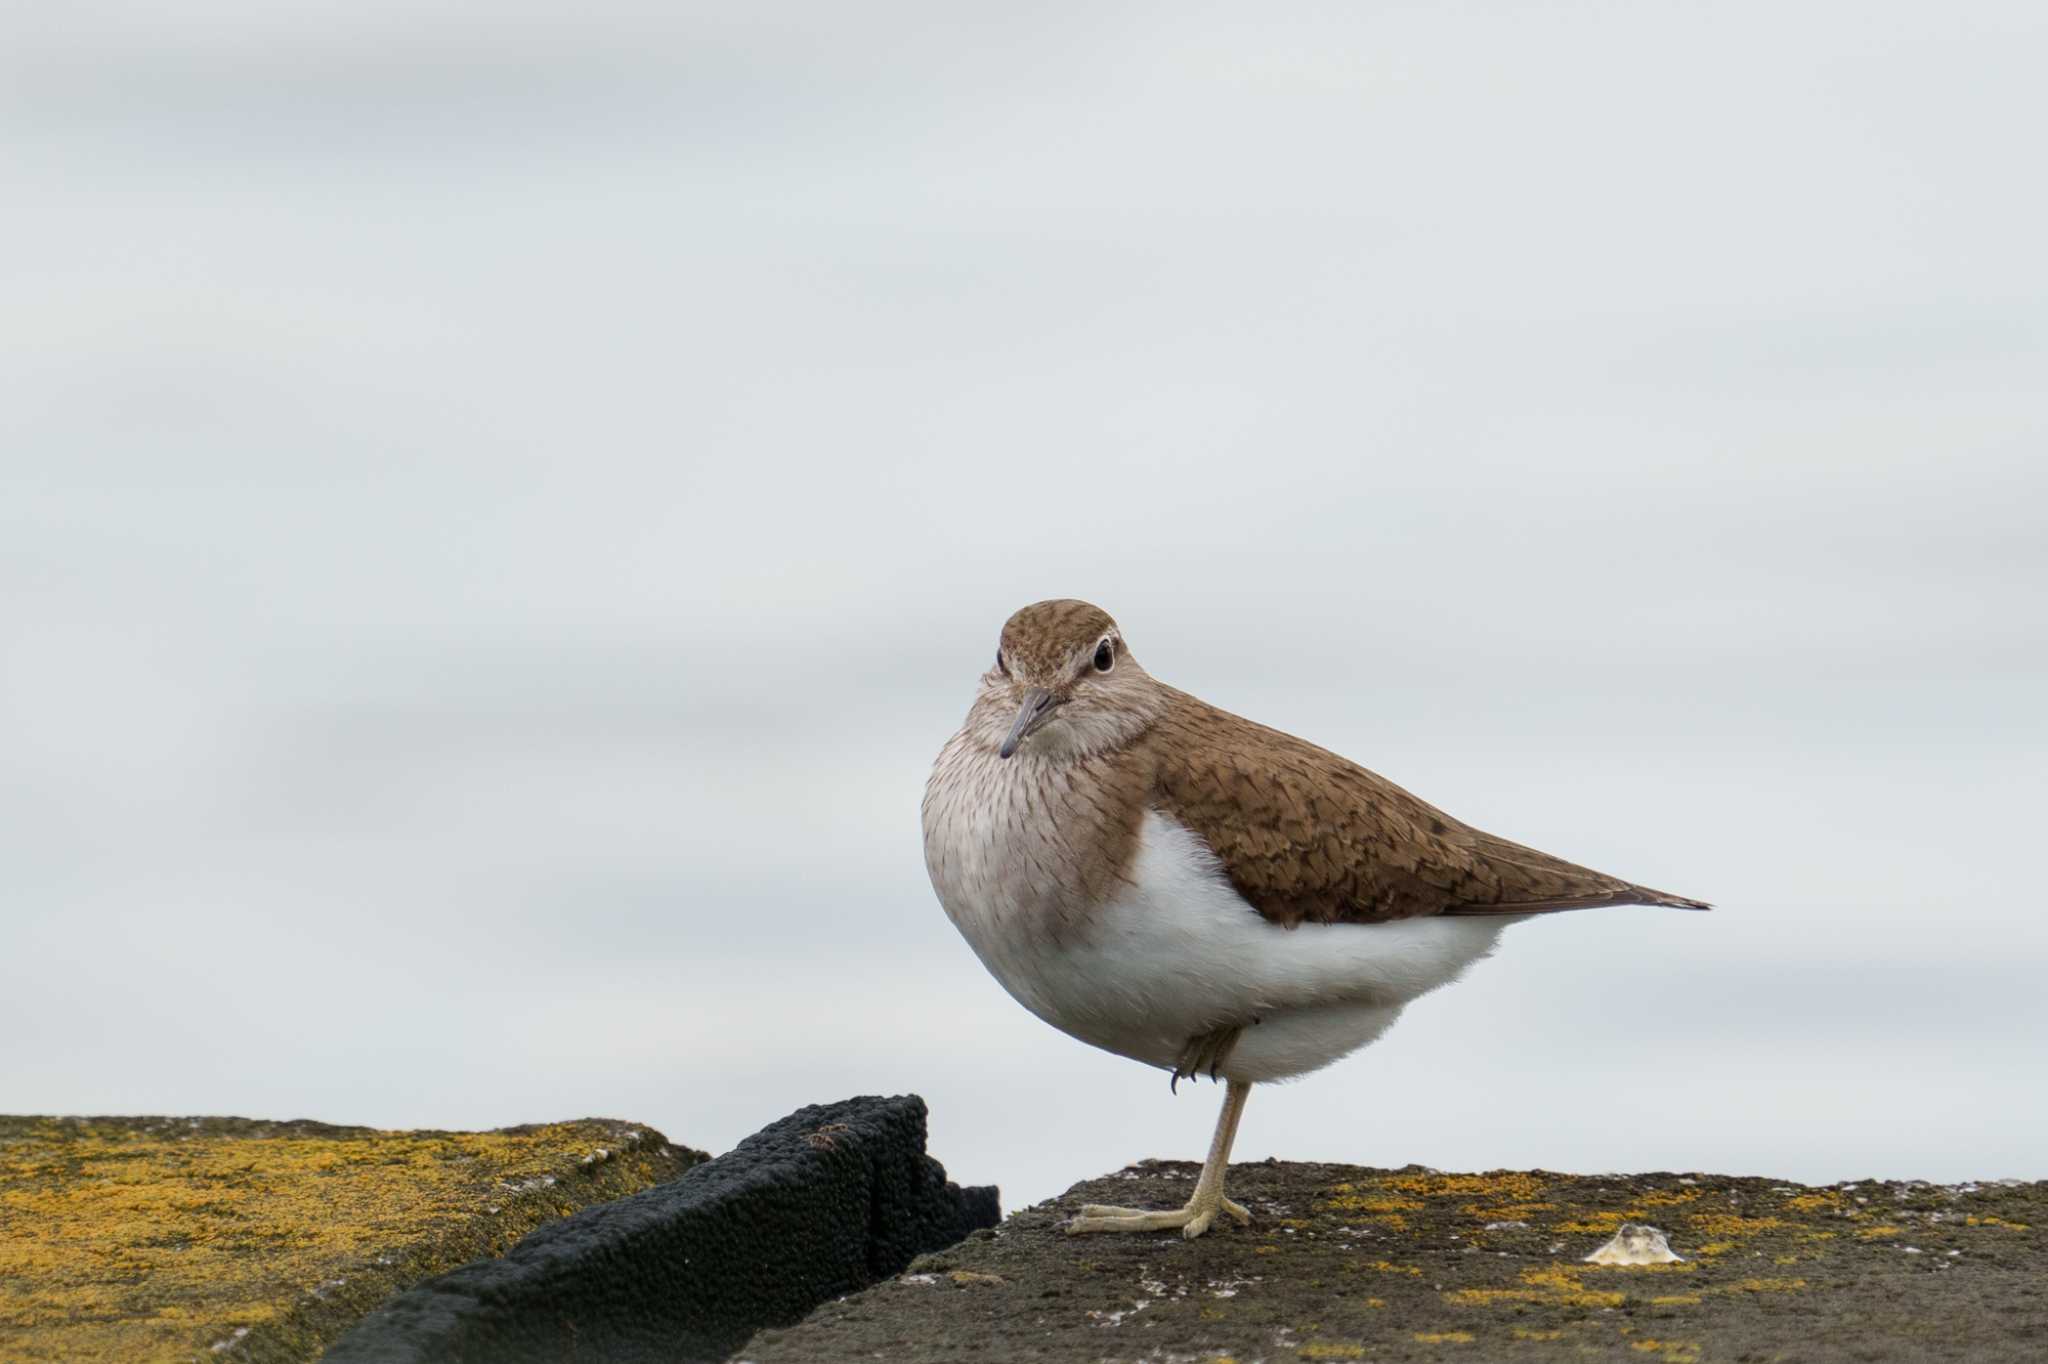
point(1181, 953)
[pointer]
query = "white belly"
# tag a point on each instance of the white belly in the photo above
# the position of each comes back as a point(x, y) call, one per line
point(1180, 953)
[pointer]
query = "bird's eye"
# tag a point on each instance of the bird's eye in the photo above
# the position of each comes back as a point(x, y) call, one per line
point(1001, 666)
point(1104, 657)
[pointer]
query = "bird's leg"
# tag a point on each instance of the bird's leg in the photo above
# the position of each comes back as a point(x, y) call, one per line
point(1208, 1199)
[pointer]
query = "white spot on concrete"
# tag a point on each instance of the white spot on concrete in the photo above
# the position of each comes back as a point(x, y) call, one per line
point(1636, 1243)
point(527, 1185)
point(1117, 1318)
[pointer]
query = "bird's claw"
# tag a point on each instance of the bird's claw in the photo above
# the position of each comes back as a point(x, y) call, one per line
point(1205, 1052)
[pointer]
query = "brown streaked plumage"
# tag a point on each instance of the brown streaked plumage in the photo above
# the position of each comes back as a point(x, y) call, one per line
point(1042, 638)
point(1179, 885)
point(1308, 836)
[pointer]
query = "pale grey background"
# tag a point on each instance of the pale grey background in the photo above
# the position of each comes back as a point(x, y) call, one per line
point(499, 506)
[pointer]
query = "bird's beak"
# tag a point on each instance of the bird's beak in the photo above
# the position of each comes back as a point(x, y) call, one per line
point(1038, 703)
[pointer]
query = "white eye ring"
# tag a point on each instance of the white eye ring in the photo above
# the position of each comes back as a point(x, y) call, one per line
point(1105, 656)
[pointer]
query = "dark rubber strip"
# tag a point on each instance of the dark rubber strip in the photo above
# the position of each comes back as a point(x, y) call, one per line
point(828, 1200)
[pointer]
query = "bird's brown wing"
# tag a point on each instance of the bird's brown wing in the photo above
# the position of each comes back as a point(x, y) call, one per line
point(1307, 836)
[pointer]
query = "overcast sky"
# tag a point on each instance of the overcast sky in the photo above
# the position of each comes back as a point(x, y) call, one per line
point(497, 515)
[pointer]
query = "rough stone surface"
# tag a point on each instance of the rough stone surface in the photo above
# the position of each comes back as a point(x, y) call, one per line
point(228, 1239)
point(822, 1203)
point(1347, 1263)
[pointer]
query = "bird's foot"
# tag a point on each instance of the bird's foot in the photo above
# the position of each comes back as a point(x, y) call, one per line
point(1205, 1052)
point(1193, 1220)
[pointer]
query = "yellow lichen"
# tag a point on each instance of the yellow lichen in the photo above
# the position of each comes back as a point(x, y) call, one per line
point(1677, 1351)
point(1607, 1222)
point(1351, 1202)
point(1713, 1248)
point(1444, 1337)
point(1511, 1186)
point(1330, 1350)
point(151, 1240)
point(1876, 1233)
point(1388, 1267)
point(1666, 1200)
point(1815, 1202)
point(1760, 1286)
point(1973, 1220)
point(1488, 1297)
point(1507, 1212)
point(1563, 1281)
point(1727, 1224)
point(1676, 1299)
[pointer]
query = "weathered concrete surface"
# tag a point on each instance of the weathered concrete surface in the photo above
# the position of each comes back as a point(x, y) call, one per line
point(824, 1202)
point(227, 1239)
point(1349, 1263)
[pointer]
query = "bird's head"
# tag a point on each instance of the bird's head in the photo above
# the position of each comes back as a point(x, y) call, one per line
point(1063, 685)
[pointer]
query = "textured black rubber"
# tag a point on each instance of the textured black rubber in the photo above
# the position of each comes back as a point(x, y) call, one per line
point(824, 1202)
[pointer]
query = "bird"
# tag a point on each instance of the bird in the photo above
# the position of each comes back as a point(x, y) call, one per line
point(1178, 885)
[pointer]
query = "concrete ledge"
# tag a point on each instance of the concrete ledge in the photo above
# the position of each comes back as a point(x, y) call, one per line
point(1344, 1263)
point(822, 1203)
point(172, 1239)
